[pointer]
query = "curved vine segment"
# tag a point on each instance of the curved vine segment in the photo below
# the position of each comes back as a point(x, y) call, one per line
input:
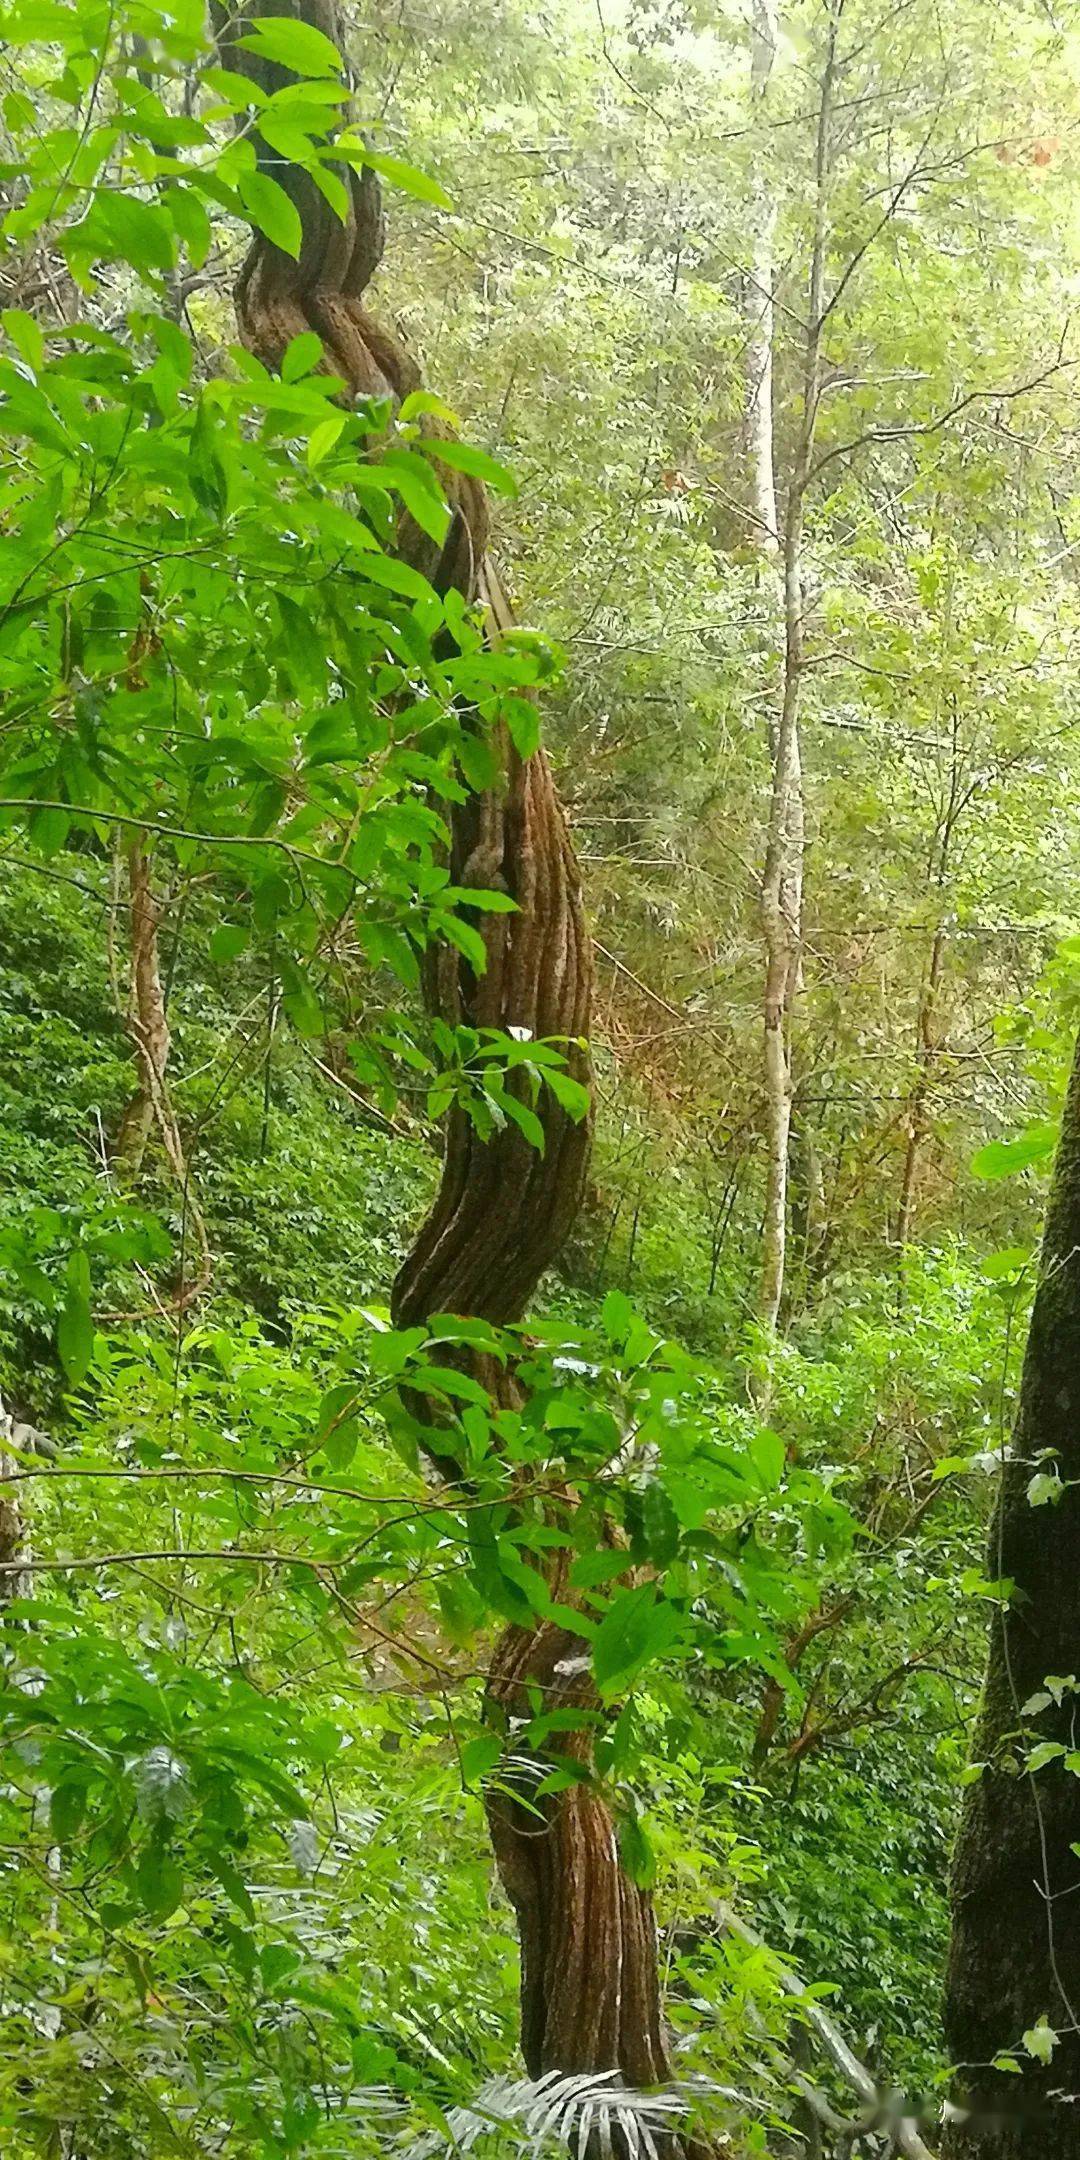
point(590, 1987)
point(590, 1995)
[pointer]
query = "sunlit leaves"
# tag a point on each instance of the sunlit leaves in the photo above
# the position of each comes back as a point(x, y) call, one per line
point(1003, 1158)
point(270, 208)
point(291, 44)
point(638, 1627)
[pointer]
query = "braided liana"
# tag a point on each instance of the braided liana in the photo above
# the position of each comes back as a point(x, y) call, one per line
point(590, 1991)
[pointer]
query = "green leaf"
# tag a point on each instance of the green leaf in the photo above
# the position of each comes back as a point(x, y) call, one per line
point(292, 44)
point(399, 174)
point(301, 1004)
point(338, 1431)
point(1045, 1752)
point(466, 458)
point(1046, 1487)
point(277, 1961)
point(26, 337)
point(523, 721)
point(636, 1852)
point(1011, 1261)
point(768, 1457)
point(191, 223)
point(1002, 1158)
point(227, 942)
point(122, 228)
point(206, 471)
point(67, 1808)
point(660, 1524)
point(420, 402)
point(159, 1882)
point(573, 1097)
point(638, 1627)
point(1040, 2041)
point(75, 1336)
point(525, 1119)
point(323, 437)
point(301, 356)
point(233, 1884)
point(49, 829)
point(617, 1314)
point(479, 1757)
point(271, 209)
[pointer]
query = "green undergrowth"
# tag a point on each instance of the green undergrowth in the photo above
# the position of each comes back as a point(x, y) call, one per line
point(309, 1200)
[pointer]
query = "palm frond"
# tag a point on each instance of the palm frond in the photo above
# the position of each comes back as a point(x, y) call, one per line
point(585, 2111)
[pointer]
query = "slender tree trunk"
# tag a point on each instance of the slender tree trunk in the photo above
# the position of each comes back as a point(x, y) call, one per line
point(926, 1056)
point(782, 879)
point(14, 1542)
point(926, 1038)
point(1014, 1957)
point(147, 1021)
point(151, 1104)
point(760, 308)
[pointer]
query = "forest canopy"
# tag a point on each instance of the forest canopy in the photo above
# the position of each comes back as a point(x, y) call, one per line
point(539, 1174)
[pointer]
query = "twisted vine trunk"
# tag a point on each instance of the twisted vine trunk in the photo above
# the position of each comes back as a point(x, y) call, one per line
point(589, 1972)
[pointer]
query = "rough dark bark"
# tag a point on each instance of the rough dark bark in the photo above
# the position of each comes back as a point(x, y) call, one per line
point(590, 1995)
point(1014, 1956)
point(590, 1981)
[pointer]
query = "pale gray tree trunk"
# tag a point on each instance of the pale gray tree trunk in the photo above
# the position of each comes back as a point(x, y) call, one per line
point(782, 879)
point(760, 309)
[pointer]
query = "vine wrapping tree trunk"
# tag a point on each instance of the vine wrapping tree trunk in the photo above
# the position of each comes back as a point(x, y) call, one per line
point(1014, 1957)
point(590, 1981)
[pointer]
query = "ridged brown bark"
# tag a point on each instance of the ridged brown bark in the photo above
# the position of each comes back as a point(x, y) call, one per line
point(590, 1986)
point(1014, 1957)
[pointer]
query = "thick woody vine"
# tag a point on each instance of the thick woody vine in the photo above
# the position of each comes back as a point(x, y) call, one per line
point(590, 1987)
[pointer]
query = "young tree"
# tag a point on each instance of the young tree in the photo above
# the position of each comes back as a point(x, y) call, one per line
point(782, 878)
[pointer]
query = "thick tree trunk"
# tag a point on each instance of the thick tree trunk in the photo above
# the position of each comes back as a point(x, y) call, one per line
point(590, 1982)
point(1014, 1957)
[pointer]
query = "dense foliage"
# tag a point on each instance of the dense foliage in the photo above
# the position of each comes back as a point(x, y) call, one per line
point(248, 1905)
